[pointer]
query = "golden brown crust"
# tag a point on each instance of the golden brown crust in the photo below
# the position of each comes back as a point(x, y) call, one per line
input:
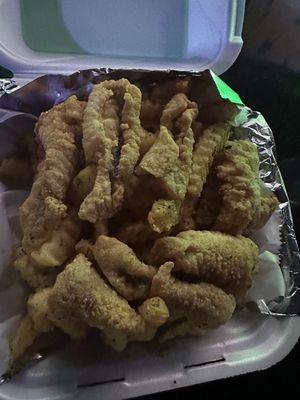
point(44, 208)
point(130, 277)
point(204, 304)
point(226, 261)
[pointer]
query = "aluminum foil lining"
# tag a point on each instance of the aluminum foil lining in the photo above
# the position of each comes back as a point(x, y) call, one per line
point(48, 90)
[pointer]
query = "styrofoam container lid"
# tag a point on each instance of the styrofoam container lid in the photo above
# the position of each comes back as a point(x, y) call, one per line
point(59, 36)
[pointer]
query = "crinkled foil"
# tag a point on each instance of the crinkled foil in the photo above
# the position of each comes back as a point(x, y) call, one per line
point(46, 91)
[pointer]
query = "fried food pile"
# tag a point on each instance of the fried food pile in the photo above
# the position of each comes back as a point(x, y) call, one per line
point(137, 218)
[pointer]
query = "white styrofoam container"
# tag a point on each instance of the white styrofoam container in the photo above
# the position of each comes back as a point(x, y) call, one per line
point(212, 39)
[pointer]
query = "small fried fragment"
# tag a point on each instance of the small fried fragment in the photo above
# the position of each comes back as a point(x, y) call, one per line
point(238, 173)
point(32, 274)
point(23, 338)
point(164, 215)
point(130, 277)
point(224, 260)
point(155, 312)
point(79, 291)
point(206, 305)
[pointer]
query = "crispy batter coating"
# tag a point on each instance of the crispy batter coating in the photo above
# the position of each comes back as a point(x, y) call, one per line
point(32, 274)
point(23, 338)
point(204, 304)
point(115, 154)
point(210, 142)
point(130, 277)
point(43, 209)
point(83, 183)
point(164, 215)
point(136, 233)
point(268, 205)
point(60, 246)
point(224, 260)
point(81, 292)
point(155, 312)
point(39, 311)
point(238, 173)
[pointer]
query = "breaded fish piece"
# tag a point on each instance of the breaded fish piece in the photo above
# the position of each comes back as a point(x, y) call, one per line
point(226, 261)
point(208, 144)
point(57, 130)
point(79, 291)
point(130, 277)
point(204, 304)
point(169, 160)
point(113, 143)
point(238, 173)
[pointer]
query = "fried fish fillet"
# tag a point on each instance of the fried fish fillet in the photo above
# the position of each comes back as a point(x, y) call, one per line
point(80, 292)
point(226, 261)
point(114, 153)
point(238, 173)
point(169, 160)
point(209, 143)
point(206, 305)
point(130, 277)
point(43, 210)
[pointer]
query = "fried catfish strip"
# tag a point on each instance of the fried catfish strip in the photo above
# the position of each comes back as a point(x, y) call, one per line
point(169, 160)
point(238, 173)
point(206, 305)
point(81, 292)
point(114, 153)
point(210, 142)
point(224, 260)
point(42, 211)
point(130, 277)
point(268, 205)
